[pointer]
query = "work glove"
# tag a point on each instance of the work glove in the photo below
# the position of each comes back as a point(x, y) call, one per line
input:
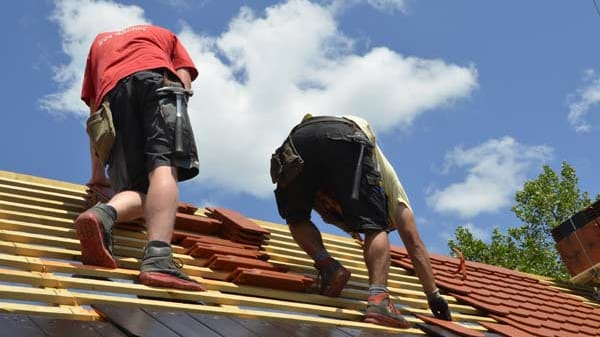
point(438, 305)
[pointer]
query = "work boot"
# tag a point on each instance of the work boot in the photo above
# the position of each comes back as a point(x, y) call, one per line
point(381, 311)
point(333, 278)
point(160, 270)
point(94, 230)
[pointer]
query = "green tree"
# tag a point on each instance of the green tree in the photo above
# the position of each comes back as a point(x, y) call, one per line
point(542, 204)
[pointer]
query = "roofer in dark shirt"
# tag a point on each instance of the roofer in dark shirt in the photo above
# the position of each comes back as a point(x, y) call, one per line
point(125, 69)
point(334, 166)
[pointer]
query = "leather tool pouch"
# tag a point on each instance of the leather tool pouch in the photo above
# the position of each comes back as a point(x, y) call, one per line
point(286, 164)
point(101, 130)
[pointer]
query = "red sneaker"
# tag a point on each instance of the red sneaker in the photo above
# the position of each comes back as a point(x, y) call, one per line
point(159, 270)
point(381, 311)
point(333, 283)
point(94, 241)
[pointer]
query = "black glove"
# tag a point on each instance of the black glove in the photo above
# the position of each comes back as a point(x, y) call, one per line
point(438, 306)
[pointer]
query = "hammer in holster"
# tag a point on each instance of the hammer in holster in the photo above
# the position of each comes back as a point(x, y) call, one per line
point(179, 92)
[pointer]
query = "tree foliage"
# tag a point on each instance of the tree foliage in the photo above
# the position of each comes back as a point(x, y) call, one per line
point(542, 204)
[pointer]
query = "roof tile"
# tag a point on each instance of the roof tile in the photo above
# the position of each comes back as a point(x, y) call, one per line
point(458, 329)
point(505, 329)
point(481, 305)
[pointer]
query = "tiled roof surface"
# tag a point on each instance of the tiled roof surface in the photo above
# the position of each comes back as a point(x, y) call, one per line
point(521, 303)
point(253, 269)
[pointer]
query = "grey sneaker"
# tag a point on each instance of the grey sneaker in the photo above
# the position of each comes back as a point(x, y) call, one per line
point(381, 311)
point(95, 238)
point(159, 269)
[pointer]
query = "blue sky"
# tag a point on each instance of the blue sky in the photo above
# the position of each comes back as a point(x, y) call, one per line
point(469, 98)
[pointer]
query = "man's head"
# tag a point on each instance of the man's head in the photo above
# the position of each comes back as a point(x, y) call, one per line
point(329, 209)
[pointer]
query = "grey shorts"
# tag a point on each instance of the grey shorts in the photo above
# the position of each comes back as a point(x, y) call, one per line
point(145, 125)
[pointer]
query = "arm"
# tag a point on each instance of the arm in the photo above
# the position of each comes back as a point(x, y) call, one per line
point(185, 77)
point(419, 256)
point(98, 174)
point(417, 251)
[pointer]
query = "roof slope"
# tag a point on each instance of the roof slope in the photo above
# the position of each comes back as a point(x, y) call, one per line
point(253, 269)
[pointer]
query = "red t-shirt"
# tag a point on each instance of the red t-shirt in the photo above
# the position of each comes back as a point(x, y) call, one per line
point(115, 55)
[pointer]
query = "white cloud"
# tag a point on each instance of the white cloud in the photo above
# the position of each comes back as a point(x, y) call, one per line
point(495, 170)
point(583, 100)
point(261, 75)
point(79, 22)
point(388, 6)
point(478, 232)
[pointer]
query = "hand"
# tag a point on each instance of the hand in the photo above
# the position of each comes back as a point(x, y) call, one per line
point(438, 306)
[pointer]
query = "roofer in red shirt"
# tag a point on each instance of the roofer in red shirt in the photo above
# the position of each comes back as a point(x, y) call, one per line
point(125, 70)
point(334, 166)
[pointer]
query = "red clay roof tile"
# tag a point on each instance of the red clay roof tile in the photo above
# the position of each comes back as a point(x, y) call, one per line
point(458, 329)
point(203, 250)
point(551, 324)
point(520, 312)
point(481, 305)
point(229, 262)
point(505, 329)
point(236, 220)
point(191, 240)
point(270, 279)
point(197, 224)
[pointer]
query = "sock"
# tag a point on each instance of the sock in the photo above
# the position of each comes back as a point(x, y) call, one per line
point(107, 214)
point(158, 244)
point(324, 262)
point(376, 289)
point(432, 295)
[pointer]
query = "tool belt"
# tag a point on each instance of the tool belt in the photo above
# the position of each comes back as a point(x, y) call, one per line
point(286, 162)
point(101, 130)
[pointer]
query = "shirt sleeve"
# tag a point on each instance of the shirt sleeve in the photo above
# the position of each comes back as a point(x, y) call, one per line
point(87, 88)
point(181, 59)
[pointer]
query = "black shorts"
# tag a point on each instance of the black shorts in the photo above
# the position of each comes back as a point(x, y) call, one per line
point(330, 158)
point(145, 125)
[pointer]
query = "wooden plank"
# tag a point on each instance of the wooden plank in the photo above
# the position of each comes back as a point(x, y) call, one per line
point(29, 197)
point(45, 195)
point(41, 183)
point(37, 219)
point(51, 281)
point(212, 297)
point(357, 303)
point(120, 237)
point(66, 312)
point(37, 210)
point(589, 276)
point(358, 279)
point(357, 267)
point(63, 296)
point(32, 250)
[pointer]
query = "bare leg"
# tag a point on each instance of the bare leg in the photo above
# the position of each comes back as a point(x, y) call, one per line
point(308, 237)
point(161, 203)
point(128, 204)
point(376, 252)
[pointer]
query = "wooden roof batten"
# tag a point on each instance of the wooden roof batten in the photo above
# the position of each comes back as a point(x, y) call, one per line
point(39, 253)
